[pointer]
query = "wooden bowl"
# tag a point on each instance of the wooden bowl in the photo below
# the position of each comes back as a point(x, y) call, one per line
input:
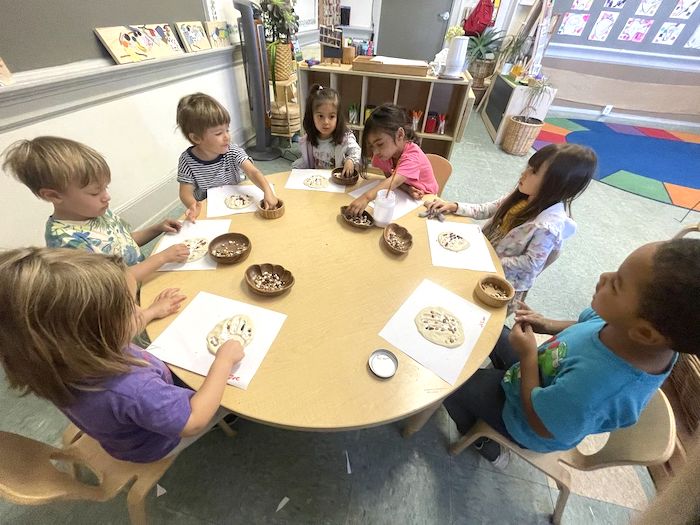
point(257, 271)
point(399, 236)
point(347, 219)
point(486, 294)
point(271, 214)
point(237, 244)
point(337, 177)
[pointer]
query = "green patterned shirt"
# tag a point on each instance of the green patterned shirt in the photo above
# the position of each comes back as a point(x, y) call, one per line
point(108, 234)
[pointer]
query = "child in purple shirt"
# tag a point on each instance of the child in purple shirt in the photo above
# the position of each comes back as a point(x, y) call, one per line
point(68, 317)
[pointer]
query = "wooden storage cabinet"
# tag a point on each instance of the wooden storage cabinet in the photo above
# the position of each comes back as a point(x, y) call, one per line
point(426, 94)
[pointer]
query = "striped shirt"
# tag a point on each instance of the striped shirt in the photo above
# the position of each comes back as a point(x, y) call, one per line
point(205, 174)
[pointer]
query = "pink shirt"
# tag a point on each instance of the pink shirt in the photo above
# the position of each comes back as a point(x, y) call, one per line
point(414, 165)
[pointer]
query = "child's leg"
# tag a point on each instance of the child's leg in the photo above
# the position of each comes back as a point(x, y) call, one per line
point(503, 355)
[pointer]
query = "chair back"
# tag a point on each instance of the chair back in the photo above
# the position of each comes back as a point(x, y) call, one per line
point(650, 441)
point(442, 169)
point(688, 229)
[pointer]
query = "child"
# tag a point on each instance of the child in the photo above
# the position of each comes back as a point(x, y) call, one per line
point(212, 160)
point(74, 178)
point(389, 137)
point(327, 143)
point(598, 373)
point(68, 317)
point(529, 226)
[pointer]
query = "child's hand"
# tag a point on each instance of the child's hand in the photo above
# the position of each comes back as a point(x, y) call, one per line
point(166, 302)
point(177, 253)
point(525, 314)
point(357, 206)
point(231, 349)
point(348, 168)
point(193, 211)
point(170, 226)
point(270, 201)
point(522, 339)
point(414, 193)
point(437, 206)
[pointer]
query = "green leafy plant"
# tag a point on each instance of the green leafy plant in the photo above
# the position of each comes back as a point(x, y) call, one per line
point(486, 45)
point(514, 47)
point(537, 90)
point(280, 20)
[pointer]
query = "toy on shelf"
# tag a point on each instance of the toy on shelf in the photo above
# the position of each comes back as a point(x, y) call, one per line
point(415, 118)
point(354, 114)
point(441, 123)
point(331, 44)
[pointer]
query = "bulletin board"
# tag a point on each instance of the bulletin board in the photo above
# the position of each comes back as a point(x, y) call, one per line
point(662, 27)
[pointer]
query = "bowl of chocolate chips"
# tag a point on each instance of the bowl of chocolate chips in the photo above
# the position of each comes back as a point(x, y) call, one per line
point(230, 248)
point(268, 279)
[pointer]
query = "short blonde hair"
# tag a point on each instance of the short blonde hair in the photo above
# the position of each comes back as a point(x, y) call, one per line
point(55, 163)
point(198, 112)
point(66, 317)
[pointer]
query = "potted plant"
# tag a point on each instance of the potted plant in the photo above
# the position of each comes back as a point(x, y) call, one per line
point(513, 50)
point(281, 23)
point(522, 130)
point(482, 51)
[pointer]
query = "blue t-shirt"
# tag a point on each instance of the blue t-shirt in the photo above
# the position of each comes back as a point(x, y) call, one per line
point(586, 389)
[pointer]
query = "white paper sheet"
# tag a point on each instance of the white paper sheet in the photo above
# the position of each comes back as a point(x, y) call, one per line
point(207, 229)
point(297, 176)
point(398, 61)
point(401, 331)
point(476, 257)
point(404, 203)
point(216, 207)
point(184, 342)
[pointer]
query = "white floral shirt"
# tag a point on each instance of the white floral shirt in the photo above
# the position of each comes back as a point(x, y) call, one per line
point(525, 250)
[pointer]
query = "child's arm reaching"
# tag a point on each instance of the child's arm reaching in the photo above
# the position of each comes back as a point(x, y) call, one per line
point(357, 206)
point(485, 210)
point(148, 234)
point(176, 253)
point(539, 324)
point(255, 175)
point(205, 402)
point(352, 153)
point(194, 207)
point(166, 302)
point(522, 339)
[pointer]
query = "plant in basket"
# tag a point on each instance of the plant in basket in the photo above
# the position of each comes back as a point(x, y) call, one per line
point(522, 130)
point(281, 24)
point(482, 51)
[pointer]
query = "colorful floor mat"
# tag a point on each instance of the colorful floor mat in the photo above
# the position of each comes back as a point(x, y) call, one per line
point(654, 163)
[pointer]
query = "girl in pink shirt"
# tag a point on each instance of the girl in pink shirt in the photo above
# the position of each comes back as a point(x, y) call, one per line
point(388, 136)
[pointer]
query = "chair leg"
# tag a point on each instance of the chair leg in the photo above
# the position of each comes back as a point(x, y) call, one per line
point(564, 491)
point(467, 439)
point(416, 421)
point(136, 501)
point(227, 429)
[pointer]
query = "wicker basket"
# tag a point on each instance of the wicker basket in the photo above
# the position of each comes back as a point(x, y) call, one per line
point(284, 63)
point(520, 135)
point(481, 69)
point(685, 378)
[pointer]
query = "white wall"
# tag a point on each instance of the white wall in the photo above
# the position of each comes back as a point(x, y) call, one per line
point(134, 129)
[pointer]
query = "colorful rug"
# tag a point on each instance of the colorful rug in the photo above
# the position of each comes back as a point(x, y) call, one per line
point(654, 163)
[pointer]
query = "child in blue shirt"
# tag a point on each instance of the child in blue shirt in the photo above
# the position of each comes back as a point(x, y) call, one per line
point(597, 373)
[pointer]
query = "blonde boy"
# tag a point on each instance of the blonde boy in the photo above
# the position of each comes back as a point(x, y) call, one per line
point(74, 178)
point(212, 160)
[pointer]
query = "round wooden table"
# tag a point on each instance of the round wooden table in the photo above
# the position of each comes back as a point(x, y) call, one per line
point(348, 285)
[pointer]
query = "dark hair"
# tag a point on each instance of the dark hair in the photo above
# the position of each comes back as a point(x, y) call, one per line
point(569, 170)
point(322, 95)
point(670, 300)
point(387, 118)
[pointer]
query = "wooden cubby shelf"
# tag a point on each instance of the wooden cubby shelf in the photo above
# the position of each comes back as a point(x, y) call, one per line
point(427, 94)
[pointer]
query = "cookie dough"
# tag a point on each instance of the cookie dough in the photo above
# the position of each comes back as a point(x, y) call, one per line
point(440, 326)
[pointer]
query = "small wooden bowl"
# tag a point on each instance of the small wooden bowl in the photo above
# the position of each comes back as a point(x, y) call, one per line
point(257, 270)
point(337, 177)
point(271, 214)
point(344, 209)
point(488, 297)
point(237, 241)
point(400, 233)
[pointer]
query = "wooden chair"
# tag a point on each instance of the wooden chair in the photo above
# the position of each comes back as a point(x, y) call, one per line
point(28, 476)
point(648, 442)
point(442, 169)
point(688, 229)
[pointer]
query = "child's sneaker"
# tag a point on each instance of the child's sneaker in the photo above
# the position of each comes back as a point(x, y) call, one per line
point(497, 455)
point(503, 459)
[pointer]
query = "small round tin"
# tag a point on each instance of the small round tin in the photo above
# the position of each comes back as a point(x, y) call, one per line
point(383, 363)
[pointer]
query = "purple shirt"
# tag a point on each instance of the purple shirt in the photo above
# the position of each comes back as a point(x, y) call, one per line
point(137, 416)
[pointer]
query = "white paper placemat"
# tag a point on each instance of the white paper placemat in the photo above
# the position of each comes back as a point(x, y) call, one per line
point(216, 205)
point(184, 342)
point(297, 176)
point(477, 257)
point(401, 330)
point(404, 203)
point(202, 228)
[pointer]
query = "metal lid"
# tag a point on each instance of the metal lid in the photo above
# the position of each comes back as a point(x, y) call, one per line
point(383, 363)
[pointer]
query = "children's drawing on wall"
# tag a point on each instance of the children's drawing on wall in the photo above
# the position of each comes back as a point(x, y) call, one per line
point(581, 5)
point(163, 41)
point(573, 24)
point(218, 33)
point(193, 36)
point(126, 44)
point(694, 41)
point(647, 7)
point(668, 34)
point(635, 29)
point(615, 4)
point(685, 9)
point(603, 26)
